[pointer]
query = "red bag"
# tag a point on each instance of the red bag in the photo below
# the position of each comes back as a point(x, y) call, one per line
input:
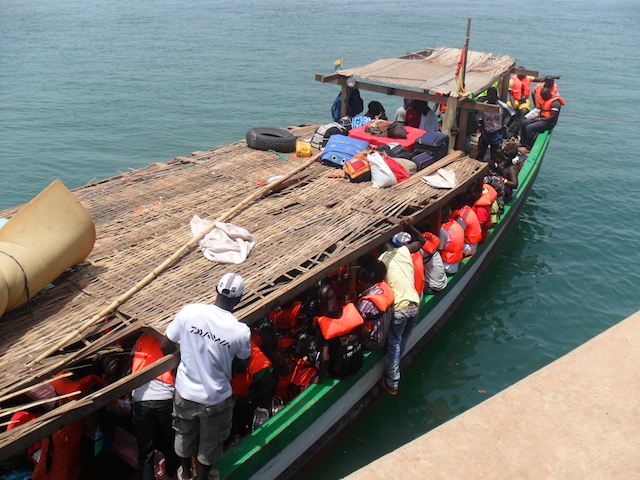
point(398, 170)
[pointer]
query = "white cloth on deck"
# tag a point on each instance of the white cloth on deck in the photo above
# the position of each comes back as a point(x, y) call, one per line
point(226, 243)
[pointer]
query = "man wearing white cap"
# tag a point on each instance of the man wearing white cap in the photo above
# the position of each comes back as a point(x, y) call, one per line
point(210, 338)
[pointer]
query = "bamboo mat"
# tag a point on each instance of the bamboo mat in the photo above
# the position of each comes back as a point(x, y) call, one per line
point(143, 216)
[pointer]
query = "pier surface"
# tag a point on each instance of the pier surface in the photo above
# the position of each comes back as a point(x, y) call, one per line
point(577, 418)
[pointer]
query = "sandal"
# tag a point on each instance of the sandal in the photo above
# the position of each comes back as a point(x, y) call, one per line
point(383, 384)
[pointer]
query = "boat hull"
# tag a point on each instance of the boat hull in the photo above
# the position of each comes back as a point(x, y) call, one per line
point(281, 447)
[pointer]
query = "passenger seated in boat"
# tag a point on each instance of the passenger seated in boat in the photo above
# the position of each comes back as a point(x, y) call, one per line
point(375, 110)
point(420, 115)
point(451, 245)
point(375, 299)
point(435, 277)
point(339, 339)
point(400, 276)
point(512, 162)
point(252, 388)
point(485, 202)
point(468, 220)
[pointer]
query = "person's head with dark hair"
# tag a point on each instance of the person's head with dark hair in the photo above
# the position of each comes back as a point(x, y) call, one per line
point(474, 192)
point(545, 93)
point(375, 109)
point(458, 201)
point(509, 150)
point(548, 81)
point(492, 95)
point(329, 302)
point(379, 271)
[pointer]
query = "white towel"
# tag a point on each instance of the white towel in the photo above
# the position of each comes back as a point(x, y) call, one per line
point(442, 179)
point(227, 243)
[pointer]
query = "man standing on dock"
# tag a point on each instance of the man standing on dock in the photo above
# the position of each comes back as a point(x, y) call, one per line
point(399, 265)
point(211, 339)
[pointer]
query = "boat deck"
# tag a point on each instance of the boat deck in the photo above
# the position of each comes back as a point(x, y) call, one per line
point(304, 232)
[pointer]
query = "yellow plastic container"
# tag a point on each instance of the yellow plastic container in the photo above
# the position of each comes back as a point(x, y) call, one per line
point(303, 149)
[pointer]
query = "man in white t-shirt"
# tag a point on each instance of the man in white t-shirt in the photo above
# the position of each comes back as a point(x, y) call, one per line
point(210, 338)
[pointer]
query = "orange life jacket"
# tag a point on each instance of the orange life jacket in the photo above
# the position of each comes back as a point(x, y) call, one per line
point(418, 271)
point(286, 318)
point(258, 361)
point(452, 252)
point(521, 87)
point(336, 327)
point(473, 231)
point(538, 97)
point(488, 196)
point(300, 377)
point(545, 108)
point(65, 386)
point(147, 351)
point(431, 245)
point(381, 300)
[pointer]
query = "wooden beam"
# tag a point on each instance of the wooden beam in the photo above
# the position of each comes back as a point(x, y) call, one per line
point(463, 122)
point(525, 71)
point(450, 120)
point(22, 437)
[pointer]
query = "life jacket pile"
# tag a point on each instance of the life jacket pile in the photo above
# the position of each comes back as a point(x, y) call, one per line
point(286, 318)
point(488, 200)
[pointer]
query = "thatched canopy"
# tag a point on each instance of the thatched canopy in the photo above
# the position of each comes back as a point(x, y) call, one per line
point(431, 71)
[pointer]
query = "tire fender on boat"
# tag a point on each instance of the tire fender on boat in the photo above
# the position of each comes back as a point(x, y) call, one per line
point(262, 138)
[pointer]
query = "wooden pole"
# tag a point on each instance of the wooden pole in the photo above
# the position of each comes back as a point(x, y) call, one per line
point(184, 249)
point(466, 50)
point(28, 389)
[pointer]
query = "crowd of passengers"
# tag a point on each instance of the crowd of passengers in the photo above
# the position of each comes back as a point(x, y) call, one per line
point(232, 378)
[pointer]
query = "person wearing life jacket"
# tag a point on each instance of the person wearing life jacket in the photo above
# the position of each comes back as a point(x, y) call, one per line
point(483, 207)
point(152, 409)
point(451, 245)
point(252, 388)
point(339, 336)
point(374, 303)
point(549, 106)
point(400, 276)
point(286, 317)
point(519, 93)
point(435, 277)
point(468, 220)
point(547, 83)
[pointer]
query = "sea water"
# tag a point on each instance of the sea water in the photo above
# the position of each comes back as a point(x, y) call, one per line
point(88, 89)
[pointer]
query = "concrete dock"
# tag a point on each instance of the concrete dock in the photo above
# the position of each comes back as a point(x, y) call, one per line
point(577, 418)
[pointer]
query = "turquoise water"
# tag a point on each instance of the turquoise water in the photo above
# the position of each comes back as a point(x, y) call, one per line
point(91, 88)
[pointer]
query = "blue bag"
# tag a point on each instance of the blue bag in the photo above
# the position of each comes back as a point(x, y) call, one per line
point(340, 149)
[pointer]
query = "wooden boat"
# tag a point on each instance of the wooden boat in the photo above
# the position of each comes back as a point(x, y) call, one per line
point(307, 224)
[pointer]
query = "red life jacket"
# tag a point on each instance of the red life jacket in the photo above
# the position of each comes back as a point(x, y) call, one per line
point(545, 108)
point(336, 327)
point(65, 386)
point(418, 271)
point(147, 351)
point(301, 377)
point(473, 231)
point(538, 98)
point(381, 300)
point(258, 361)
point(286, 318)
point(521, 87)
point(452, 252)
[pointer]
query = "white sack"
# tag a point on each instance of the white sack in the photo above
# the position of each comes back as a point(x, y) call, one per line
point(227, 243)
point(381, 174)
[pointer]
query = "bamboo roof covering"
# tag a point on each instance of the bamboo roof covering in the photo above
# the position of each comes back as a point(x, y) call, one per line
point(304, 232)
point(434, 70)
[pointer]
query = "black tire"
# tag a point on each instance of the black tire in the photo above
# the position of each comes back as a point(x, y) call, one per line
point(271, 139)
